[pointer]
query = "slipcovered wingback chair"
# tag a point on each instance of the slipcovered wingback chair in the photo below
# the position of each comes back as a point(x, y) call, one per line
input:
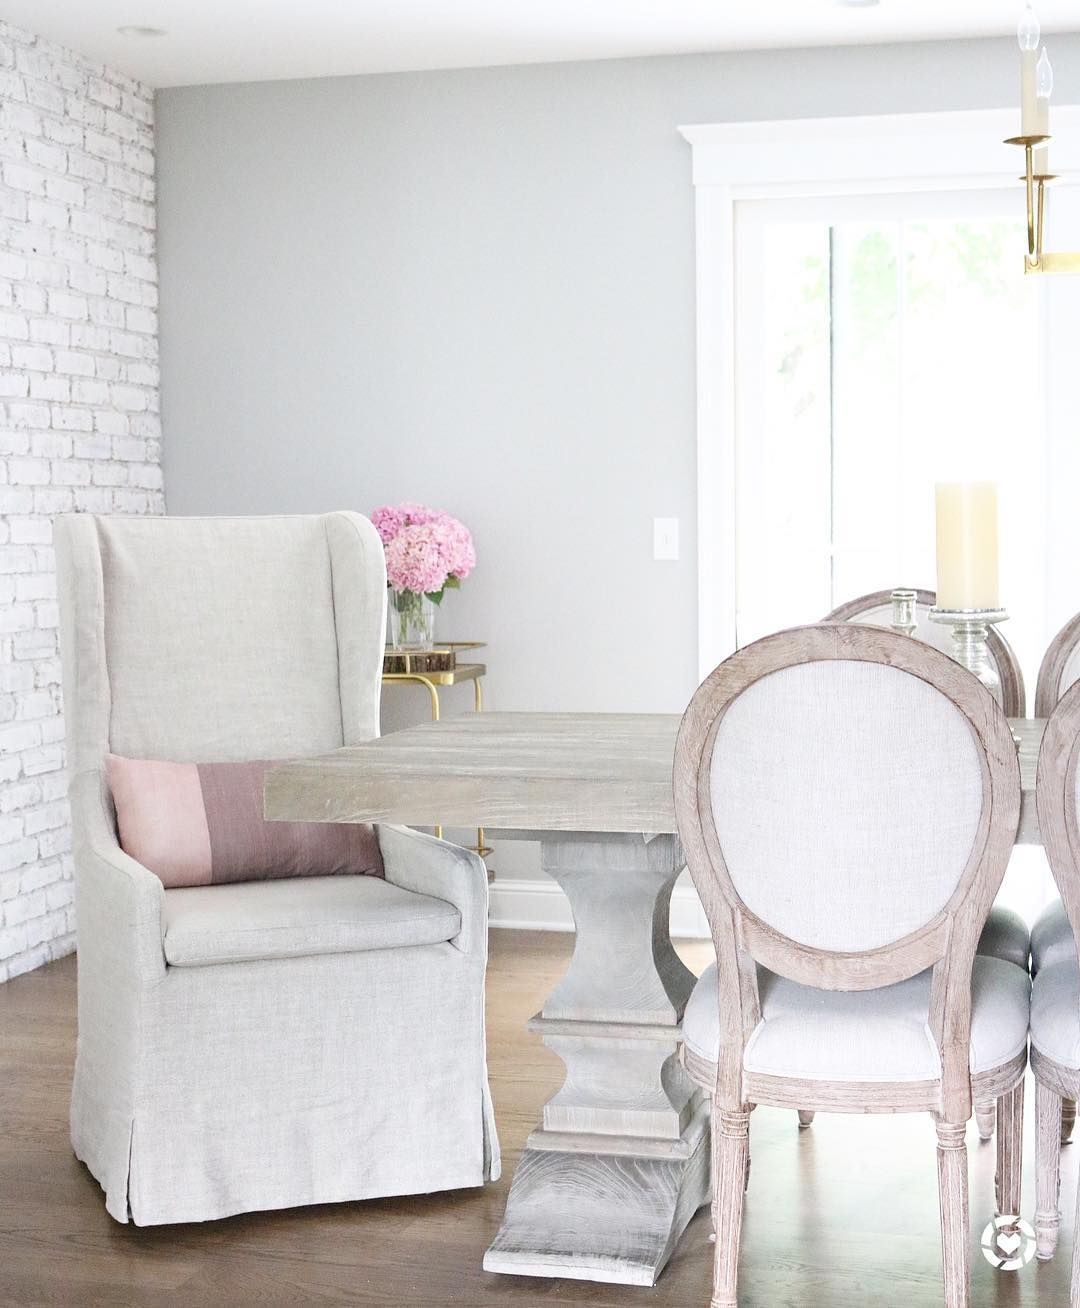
point(847, 799)
point(272, 1043)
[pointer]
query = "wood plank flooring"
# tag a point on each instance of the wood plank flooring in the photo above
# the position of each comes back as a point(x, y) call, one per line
point(841, 1216)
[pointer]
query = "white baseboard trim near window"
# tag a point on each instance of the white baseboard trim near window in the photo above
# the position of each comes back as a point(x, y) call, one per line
point(522, 905)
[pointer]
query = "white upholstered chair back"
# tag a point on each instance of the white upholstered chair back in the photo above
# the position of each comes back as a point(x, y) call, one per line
point(1060, 668)
point(876, 609)
point(847, 799)
point(215, 639)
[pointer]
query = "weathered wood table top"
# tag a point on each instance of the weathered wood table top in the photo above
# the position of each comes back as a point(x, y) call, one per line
point(531, 771)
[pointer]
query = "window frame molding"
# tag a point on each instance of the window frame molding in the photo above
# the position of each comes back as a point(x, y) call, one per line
point(815, 157)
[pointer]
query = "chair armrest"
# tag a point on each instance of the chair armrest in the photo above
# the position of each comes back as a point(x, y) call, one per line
point(121, 904)
point(421, 863)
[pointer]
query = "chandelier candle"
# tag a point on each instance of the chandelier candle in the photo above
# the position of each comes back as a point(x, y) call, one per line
point(967, 545)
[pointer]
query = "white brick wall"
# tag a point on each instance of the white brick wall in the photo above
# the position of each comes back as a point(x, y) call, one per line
point(79, 426)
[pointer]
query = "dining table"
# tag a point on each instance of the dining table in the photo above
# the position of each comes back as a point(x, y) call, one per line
point(619, 1162)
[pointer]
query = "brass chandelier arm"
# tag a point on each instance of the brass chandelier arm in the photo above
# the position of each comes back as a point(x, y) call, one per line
point(1034, 249)
point(1036, 261)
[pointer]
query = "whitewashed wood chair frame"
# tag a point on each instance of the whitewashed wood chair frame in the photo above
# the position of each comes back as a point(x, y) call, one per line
point(946, 944)
point(876, 606)
point(1059, 669)
point(1059, 822)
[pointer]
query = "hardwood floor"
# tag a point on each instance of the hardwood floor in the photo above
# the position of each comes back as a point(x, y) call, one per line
point(843, 1215)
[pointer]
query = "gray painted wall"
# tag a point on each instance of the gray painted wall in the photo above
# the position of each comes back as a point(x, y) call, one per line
point(476, 288)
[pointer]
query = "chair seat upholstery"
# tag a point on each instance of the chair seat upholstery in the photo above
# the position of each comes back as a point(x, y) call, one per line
point(1051, 938)
point(1055, 1012)
point(1006, 936)
point(290, 917)
point(864, 1035)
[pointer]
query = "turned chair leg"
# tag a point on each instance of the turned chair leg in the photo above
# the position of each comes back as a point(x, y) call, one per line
point(806, 1116)
point(953, 1197)
point(1068, 1119)
point(731, 1153)
point(1010, 1143)
point(984, 1117)
point(1048, 1130)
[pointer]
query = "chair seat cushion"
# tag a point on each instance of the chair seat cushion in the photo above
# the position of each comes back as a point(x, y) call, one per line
point(247, 920)
point(1006, 936)
point(1051, 938)
point(865, 1035)
point(1055, 1012)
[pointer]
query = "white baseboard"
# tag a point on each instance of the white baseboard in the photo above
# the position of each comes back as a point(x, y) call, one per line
point(541, 906)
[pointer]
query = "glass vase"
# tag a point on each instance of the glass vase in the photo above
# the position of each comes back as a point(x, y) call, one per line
point(412, 619)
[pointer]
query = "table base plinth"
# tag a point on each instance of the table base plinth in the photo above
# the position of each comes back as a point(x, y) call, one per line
point(602, 1216)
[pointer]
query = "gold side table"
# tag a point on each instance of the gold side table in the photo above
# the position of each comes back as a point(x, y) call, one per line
point(413, 666)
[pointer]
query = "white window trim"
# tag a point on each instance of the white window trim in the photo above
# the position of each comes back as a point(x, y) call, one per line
point(815, 157)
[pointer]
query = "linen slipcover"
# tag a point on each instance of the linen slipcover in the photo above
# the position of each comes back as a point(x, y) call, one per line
point(206, 1090)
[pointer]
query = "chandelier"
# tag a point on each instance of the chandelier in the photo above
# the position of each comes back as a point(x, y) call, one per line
point(1036, 87)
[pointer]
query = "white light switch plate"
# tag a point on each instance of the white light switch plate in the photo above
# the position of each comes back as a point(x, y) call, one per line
point(665, 538)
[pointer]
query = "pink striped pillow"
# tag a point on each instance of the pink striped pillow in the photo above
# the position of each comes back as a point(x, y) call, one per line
point(197, 823)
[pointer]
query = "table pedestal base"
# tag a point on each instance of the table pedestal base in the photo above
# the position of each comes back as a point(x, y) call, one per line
point(601, 1216)
point(620, 1163)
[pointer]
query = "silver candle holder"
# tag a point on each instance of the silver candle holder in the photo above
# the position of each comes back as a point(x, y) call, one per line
point(970, 630)
point(904, 616)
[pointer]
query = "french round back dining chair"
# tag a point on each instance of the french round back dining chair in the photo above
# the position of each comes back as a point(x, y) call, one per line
point(876, 610)
point(1055, 993)
point(1052, 937)
point(1053, 952)
point(1005, 934)
point(815, 772)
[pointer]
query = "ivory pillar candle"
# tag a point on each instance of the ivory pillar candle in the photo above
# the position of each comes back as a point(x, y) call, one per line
point(967, 545)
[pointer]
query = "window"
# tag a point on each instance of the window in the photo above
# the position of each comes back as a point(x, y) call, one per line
point(883, 343)
point(865, 329)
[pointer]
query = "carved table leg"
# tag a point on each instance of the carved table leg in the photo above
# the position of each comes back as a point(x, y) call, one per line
point(806, 1117)
point(620, 1161)
point(1047, 1170)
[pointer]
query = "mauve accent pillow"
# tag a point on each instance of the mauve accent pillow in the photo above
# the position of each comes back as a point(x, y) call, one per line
point(194, 824)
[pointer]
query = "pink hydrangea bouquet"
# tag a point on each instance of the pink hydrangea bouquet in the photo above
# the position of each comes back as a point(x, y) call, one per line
point(428, 552)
